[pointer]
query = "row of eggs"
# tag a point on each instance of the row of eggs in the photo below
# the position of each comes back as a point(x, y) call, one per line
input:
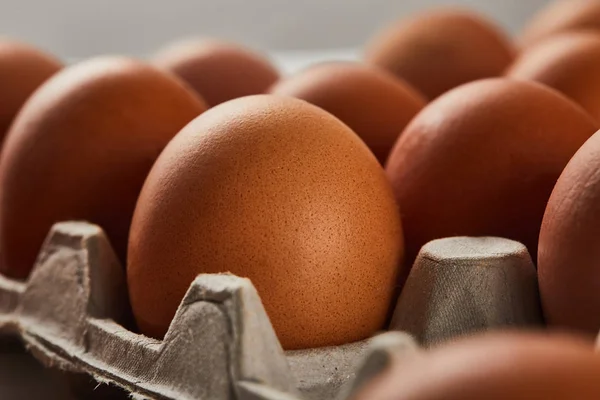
point(293, 195)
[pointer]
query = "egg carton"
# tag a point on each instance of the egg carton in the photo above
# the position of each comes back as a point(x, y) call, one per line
point(73, 315)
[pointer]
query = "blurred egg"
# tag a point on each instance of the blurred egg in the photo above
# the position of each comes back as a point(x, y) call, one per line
point(375, 105)
point(279, 191)
point(499, 366)
point(219, 71)
point(569, 63)
point(562, 16)
point(81, 148)
point(441, 49)
point(22, 69)
point(569, 251)
point(482, 161)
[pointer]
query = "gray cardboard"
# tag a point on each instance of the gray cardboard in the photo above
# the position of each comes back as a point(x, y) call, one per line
point(219, 336)
point(257, 391)
point(10, 293)
point(463, 285)
point(73, 315)
point(377, 358)
point(323, 371)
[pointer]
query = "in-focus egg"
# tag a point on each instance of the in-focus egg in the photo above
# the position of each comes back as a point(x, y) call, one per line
point(22, 69)
point(482, 161)
point(375, 104)
point(279, 191)
point(569, 251)
point(219, 71)
point(81, 148)
point(441, 49)
point(562, 16)
point(499, 366)
point(569, 63)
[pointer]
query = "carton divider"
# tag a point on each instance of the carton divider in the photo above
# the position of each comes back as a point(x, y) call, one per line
point(463, 285)
point(73, 314)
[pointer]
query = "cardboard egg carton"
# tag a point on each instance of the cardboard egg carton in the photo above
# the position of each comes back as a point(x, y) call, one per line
point(73, 314)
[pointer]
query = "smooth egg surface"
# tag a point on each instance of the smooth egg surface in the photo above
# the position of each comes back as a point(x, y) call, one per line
point(279, 191)
point(482, 161)
point(217, 70)
point(497, 366)
point(375, 104)
point(440, 49)
point(569, 251)
point(561, 16)
point(81, 148)
point(568, 63)
point(23, 69)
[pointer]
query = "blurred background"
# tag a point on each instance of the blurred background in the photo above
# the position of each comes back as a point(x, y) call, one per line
point(76, 29)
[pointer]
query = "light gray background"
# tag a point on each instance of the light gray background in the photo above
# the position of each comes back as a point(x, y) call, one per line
point(81, 28)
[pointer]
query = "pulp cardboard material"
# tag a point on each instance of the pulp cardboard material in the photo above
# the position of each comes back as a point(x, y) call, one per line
point(463, 285)
point(378, 358)
point(73, 315)
point(321, 372)
point(68, 315)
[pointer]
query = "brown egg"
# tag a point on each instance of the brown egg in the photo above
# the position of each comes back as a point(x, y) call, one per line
point(439, 50)
point(373, 103)
point(568, 63)
point(561, 16)
point(569, 252)
point(22, 69)
point(81, 148)
point(499, 366)
point(279, 191)
point(219, 71)
point(482, 161)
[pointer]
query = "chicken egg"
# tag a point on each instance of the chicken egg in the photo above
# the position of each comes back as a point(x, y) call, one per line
point(440, 49)
point(81, 148)
point(281, 192)
point(376, 105)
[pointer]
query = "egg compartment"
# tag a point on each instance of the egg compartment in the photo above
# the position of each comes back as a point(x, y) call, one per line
point(221, 344)
point(462, 285)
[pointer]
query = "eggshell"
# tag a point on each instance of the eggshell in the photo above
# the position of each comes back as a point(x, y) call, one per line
point(81, 148)
point(482, 161)
point(370, 101)
point(499, 366)
point(279, 191)
point(441, 49)
point(218, 70)
point(22, 69)
point(568, 63)
point(569, 252)
point(562, 16)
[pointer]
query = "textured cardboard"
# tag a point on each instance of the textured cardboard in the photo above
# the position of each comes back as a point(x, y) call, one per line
point(463, 285)
point(69, 311)
point(378, 357)
point(73, 315)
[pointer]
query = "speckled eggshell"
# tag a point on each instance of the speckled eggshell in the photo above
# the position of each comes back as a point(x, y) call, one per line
point(498, 366)
point(23, 69)
point(375, 104)
point(440, 49)
point(81, 148)
point(562, 16)
point(569, 252)
point(219, 71)
point(569, 63)
point(279, 191)
point(482, 161)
